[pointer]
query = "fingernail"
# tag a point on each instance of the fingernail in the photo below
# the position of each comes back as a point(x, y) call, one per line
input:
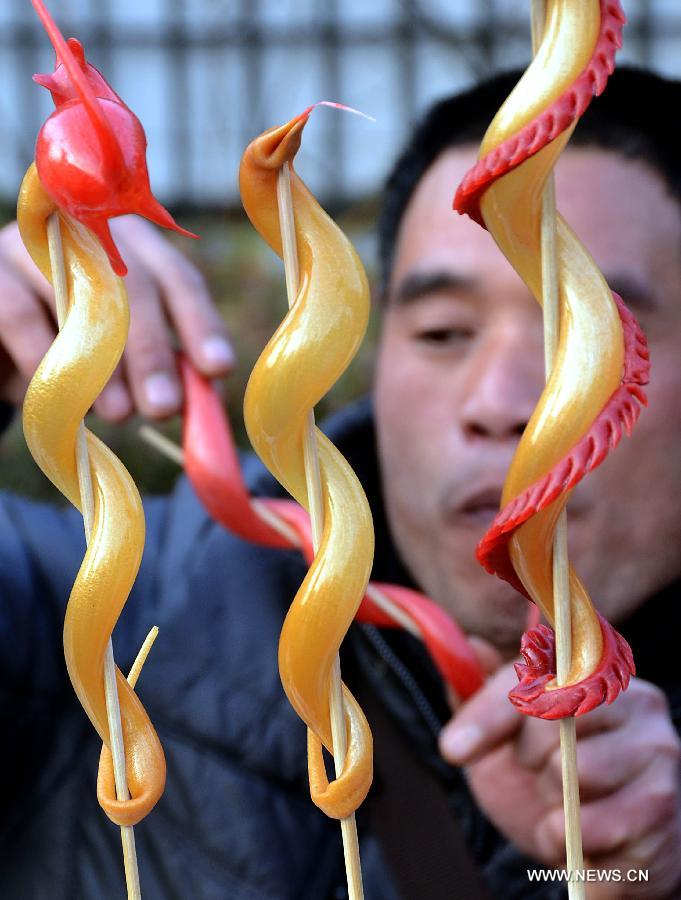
point(161, 391)
point(115, 401)
point(460, 743)
point(217, 351)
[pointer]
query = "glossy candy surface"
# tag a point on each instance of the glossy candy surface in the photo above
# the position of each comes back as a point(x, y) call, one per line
point(601, 362)
point(312, 347)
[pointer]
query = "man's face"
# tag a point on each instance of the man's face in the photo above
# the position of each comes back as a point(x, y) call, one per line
point(460, 369)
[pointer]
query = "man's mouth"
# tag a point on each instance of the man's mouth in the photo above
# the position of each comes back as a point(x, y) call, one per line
point(478, 509)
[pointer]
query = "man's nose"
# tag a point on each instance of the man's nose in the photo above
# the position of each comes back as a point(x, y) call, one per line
point(502, 386)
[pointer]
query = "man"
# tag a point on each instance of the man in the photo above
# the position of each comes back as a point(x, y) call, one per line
point(459, 370)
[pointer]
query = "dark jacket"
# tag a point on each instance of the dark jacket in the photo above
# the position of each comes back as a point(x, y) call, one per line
point(236, 820)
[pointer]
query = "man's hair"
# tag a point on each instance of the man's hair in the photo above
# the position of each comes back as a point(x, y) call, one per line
point(635, 117)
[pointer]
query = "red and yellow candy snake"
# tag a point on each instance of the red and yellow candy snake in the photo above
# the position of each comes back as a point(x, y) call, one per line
point(595, 387)
point(91, 165)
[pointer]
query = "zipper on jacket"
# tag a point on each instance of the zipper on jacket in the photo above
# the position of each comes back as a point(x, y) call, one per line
point(404, 676)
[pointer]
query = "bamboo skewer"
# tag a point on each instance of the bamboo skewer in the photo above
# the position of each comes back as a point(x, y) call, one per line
point(353, 868)
point(561, 581)
point(141, 657)
point(87, 503)
point(163, 444)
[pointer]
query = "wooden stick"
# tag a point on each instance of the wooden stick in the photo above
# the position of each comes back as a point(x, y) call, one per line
point(163, 444)
point(141, 657)
point(353, 868)
point(561, 579)
point(561, 576)
point(87, 502)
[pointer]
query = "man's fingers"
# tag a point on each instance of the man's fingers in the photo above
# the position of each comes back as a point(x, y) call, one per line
point(490, 661)
point(488, 656)
point(12, 250)
point(645, 804)
point(483, 722)
point(188, 302)
point(115, 403)
point(149, 359)
point(659, 848)
point(13, 384)
point(602, 771)
point(537, 742)
point(540, 739)
point(26, 329)
point(199, 325)
point(164, 288)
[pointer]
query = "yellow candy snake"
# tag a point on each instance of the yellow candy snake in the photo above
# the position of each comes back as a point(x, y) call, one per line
point(601, 362)
point(308, 353)
point(70, 377)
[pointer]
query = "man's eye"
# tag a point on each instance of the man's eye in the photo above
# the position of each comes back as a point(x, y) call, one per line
point(444, 334)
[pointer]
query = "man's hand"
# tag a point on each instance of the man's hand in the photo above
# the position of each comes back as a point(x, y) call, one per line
point(167, 294)
point(628, 758)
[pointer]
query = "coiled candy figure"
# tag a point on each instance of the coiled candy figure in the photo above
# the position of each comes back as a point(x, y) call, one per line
point(595, 387)
point(85, 175)
point(312, 347)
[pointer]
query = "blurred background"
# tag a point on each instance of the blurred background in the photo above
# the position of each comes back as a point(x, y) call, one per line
point(206, 76)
